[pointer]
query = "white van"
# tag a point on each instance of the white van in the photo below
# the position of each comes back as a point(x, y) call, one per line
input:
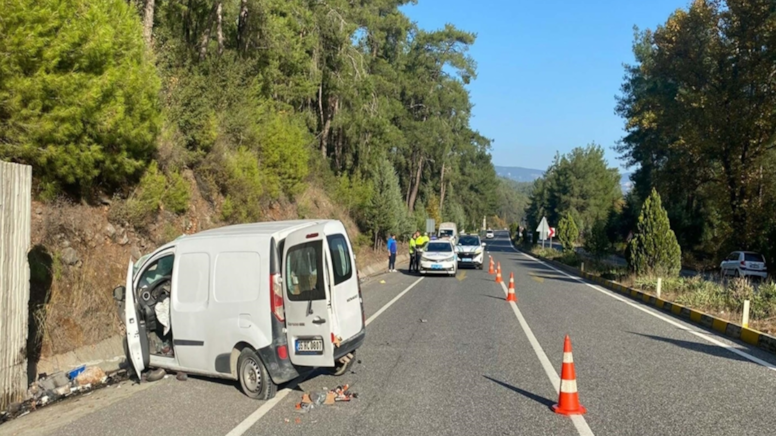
point(258, 303)
point(448, 231)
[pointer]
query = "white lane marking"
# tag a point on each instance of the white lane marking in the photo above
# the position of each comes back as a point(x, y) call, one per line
point(254, 417)
point(390, 303)
point(701, 335)
point(578, 420)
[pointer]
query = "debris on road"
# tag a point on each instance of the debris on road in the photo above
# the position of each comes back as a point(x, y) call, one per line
point(91, 376)
point(324, 397)
point(423, 320)
point(156, 374)
point(49, 389)
point(181, 376)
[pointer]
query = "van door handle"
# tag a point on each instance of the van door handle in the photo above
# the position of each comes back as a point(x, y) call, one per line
point(318, 320)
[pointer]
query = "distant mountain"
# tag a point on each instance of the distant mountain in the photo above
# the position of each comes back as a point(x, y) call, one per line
point(520, 174)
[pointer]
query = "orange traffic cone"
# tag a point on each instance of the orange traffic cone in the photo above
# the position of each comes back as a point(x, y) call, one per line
point(498, 274)
point(490, 269)
point(568, 400)
point(511, 293)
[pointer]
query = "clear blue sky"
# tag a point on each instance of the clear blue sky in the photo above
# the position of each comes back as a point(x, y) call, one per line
point(548, 70)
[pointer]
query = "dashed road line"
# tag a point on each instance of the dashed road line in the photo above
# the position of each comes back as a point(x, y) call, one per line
point(265, 408)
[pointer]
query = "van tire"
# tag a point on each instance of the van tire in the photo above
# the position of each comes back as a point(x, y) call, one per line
point(254, 377)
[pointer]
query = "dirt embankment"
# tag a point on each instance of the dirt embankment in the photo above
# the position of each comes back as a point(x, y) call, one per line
point(80, 253)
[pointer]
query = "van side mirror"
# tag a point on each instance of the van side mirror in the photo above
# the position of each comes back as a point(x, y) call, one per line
point(119, 293)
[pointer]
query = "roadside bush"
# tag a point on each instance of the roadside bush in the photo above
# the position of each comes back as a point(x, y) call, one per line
point(78, 92)
point(244, 187)
point(597, 242)
point(568, 232)
point(154, 191)
point(654, 248)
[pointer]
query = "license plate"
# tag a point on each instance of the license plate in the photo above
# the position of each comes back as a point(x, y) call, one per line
point(309, 346)
point(466, 259)
point(436, 266)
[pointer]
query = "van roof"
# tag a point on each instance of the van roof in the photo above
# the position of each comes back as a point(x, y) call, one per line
point(264, 228)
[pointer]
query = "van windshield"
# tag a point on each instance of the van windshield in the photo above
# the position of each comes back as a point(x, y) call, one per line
point(446, 233)
point(303, 266)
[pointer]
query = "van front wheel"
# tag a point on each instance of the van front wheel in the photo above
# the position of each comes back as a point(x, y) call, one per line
point(254, 378)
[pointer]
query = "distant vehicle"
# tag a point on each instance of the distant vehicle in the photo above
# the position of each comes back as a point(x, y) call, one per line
point(489, 234)
point(744, 264)
point(448, 231)
point(255, 303)
point(439, 258)
point(470, 250)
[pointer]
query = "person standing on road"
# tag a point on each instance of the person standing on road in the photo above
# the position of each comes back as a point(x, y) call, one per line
point(391, 254)
point(412, 250)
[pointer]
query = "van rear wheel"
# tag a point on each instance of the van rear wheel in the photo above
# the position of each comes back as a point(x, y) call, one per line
point(254, 378)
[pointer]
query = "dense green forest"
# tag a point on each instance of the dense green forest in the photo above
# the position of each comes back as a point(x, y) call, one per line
point(259, 98)
point(700, 122)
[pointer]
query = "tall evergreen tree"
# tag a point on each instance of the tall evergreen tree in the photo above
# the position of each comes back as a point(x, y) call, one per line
point(654, 249)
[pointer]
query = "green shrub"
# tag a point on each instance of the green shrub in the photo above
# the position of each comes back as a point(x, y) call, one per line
point(654, 249)
point(568, 232)
point(244, 187)
point(597, 242)
point(176, 196)
point(78, 92)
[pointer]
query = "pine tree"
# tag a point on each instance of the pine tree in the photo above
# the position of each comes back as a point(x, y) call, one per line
point(387, 211)
point(597, 242)
point(568, 233)
point(654, 249)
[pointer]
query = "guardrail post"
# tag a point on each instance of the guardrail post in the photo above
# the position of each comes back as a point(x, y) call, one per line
point(659, 286)
point(582, 266)
point(745, 321)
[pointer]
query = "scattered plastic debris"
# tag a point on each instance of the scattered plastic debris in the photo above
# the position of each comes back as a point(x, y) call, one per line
point(49, 389)
point(382, 282)
point(423, 320)
point(181, 376)
point(324, 398)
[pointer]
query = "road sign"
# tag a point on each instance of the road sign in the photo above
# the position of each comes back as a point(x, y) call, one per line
point(430, 226)
point(543, 229)
point(552, 232)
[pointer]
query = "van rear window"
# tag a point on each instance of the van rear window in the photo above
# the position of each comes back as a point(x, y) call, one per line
point(340, 258)
point(304, 272)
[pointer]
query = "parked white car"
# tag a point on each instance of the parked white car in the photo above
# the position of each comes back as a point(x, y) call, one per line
point(471, 251)
point(439, 258)
point(255, 303)
point(744, 264)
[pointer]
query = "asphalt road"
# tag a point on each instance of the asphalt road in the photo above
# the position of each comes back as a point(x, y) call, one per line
point(450, 357)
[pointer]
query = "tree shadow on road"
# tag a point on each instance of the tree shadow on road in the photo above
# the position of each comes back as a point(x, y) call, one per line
point(547, 402)
point(709, 349)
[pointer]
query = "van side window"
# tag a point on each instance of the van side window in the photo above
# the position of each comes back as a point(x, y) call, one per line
point(340, 258)
point(304, 272)
point(156, 270)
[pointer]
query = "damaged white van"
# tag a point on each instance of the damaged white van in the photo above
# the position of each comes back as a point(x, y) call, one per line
point(258, 303)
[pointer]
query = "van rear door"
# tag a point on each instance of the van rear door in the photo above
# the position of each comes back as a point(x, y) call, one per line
point(307, 298)
point(136, 351)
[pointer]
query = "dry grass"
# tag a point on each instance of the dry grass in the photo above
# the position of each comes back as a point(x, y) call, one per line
point(718, 297)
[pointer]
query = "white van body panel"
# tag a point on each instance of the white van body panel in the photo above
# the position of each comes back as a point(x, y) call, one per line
point(226, 303)
point(448, 227)
point(220, 292)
